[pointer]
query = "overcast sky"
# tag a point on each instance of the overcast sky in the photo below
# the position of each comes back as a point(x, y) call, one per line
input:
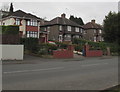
point(86, 10)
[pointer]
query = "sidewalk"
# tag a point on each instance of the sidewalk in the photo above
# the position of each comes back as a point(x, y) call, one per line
point(34, 59)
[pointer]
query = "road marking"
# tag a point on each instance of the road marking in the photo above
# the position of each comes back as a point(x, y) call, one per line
point(94, 64)
point(33, 70)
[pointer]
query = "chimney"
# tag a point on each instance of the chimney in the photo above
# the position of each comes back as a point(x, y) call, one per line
point(63, 15)
point(93, 21)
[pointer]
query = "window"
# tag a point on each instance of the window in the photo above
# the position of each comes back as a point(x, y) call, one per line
point(32, 23)
point(45, 29)
point(76, 29)
point(28, 22)
point(94, 39)
point(60, 27)
point(69, 28)
point(81, 30)
point(67, 37)
point(17, 21)
point(100, 31)
point(48, 29)
point(85, 31)
point(60, 38)
point(32, 34)
point(76, 36)
point(94, 31)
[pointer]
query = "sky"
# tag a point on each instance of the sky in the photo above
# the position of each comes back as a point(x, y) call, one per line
point(49, 10)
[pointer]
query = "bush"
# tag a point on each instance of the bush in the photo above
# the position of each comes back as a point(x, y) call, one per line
point(30, 44)
point(10, 29)
point(114, 47)
point(45, 49)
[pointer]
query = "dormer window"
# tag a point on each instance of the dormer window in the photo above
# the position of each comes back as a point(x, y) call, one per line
point(17, 22)
point(69, 28)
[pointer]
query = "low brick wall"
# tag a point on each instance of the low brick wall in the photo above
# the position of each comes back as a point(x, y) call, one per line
point(94, 53)
point(66, 53)
point(63, 54)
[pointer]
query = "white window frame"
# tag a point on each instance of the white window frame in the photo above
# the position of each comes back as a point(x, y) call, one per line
point(95, 39)
point(17, 21)
point(95, 31)
point(100, 31)
point(77, 29)
point(60, 27)
point(60, 38)
point(69, 28)
point(81, 30)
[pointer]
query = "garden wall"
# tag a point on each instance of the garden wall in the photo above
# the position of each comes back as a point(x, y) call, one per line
point(12, 52)
point(66, 53)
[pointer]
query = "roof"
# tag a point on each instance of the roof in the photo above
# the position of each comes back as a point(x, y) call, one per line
point(91, 25)
point(60, 21)
point(20, 13)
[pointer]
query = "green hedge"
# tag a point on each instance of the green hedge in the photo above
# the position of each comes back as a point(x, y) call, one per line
point(79, 43)
point(11, 29)
point(31, 44)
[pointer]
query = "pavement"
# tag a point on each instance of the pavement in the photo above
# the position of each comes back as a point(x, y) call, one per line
point(79, 73)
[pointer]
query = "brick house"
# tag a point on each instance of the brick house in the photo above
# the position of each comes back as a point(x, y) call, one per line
point(28, 23)
point(61, 29)
point(92, 31)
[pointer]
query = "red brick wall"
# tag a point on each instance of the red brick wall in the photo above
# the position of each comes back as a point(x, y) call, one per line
point(63, 54)
point(67, 53)
point(92, 53)
point(31, 28)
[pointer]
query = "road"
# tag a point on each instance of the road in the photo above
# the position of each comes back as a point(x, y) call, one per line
point(64, 74)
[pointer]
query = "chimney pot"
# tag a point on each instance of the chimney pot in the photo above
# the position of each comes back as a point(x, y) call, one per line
point(93, 21)
point(63, 15)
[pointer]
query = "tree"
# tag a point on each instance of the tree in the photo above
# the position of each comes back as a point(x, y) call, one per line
point(111, 25)
point(5, 7)
point(11, 8)
point(77, 20)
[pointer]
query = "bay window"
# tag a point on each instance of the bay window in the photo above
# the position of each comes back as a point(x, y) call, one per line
point(32, 34)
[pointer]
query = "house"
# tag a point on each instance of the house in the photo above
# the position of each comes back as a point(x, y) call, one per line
point(28, 23)
point(61, 29)
point(92, 31)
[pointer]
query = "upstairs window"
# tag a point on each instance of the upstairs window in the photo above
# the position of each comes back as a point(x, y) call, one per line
point(69, 28)
point(32, 23)
point(100, 31)
point(94, 31)
point(60, 27)
point(17, 22)
point(28, 22)
point(76, 29)
point(81, 30)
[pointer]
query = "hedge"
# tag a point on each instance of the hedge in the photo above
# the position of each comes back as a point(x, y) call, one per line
point(79, 43)
point(31, 44)
point(11, 29)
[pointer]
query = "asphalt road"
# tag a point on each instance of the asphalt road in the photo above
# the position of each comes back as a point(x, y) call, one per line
point(63, 74)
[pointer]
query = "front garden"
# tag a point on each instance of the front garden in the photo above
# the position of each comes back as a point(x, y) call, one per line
point(32, 46)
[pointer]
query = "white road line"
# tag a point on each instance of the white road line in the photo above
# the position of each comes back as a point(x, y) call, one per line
point(33, 70)
point(94, 64)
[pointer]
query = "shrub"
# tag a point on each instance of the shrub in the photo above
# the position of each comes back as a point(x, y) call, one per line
point(11, 29)
point(30, 44)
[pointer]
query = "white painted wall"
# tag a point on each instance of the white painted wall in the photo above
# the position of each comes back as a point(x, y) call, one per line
point(9, 21)
point(12, 52)
point(23, 27)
